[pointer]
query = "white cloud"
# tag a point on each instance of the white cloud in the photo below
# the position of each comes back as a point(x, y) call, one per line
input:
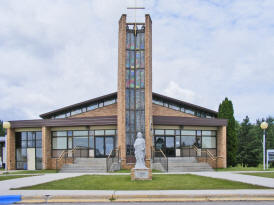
point(57, 52)
point(175, 91)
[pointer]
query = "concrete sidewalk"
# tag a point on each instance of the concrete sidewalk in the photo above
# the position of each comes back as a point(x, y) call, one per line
point(248, 179)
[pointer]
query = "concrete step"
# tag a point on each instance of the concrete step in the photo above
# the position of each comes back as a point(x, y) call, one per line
point(187, 164)
point(86, 165)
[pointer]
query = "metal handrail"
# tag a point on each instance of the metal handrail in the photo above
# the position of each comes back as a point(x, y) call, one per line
point(163, 160)
point(115, 153)
point(63, 154)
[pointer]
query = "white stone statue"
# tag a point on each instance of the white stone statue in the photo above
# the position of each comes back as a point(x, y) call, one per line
point(140, 147)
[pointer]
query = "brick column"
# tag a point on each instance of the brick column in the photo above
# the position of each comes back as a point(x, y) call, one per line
point(148, 87)
point(221, 147)
point(11, 163)
point(121, 101)
point(46, 148)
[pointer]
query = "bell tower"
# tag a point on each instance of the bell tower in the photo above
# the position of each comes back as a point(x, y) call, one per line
point(134, 87)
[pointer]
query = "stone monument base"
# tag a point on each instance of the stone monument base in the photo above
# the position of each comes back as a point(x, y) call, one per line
point(141, 174)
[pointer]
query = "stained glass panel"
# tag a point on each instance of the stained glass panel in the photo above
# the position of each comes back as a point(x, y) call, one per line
point(132, 99)
point(138, 80)
point(127, 121)
point(142, 39)
point(132, 59)
point(132, 41)
point(127, 78)
point(138, 121)
point(138, 58)
point(128, 41)
point(127, 99)
point(142, 99)
point(132, 79)
point(127, 58)
point(142, 59)
point(142, 76)
point(138, 38)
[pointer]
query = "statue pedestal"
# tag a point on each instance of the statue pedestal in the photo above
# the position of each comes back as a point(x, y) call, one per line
point(141, 174)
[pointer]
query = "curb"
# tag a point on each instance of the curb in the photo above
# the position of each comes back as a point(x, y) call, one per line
point(144, 198)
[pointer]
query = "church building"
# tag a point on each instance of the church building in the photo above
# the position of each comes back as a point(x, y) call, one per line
point(105, 128)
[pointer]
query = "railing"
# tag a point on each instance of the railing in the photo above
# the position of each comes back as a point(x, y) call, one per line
point(64, 156)
point(158, 156)
point(208, 158)
point(113, 157)
point(189, 151)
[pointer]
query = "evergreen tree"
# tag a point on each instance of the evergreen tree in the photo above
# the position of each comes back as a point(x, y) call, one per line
point(226, 111)
point(243, 135)
point(2, 130)
point(253, 147)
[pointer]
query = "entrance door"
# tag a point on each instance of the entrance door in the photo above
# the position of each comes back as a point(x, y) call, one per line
point(99, 147)
point(170, 146)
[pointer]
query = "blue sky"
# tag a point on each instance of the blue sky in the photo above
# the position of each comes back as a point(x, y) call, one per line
point(55, 53)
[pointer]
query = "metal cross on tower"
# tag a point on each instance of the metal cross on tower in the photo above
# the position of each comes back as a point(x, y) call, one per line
point(135, 8)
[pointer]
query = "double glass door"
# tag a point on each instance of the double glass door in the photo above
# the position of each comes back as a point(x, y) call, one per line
point(166, 144)
point(103, 145)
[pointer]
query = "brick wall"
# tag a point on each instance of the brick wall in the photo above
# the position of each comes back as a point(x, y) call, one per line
point(11, 163)
point(148, 87)
point(159, 110)
point(221, 147)
point(103, 111)
point(121, 121)
point(46, 148)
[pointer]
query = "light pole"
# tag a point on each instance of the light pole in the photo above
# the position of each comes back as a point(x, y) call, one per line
point(264, 126)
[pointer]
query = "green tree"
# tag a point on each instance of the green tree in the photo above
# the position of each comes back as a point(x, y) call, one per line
point(2, 130)
point(243, 135)
point(226, 111)
point(253, 147)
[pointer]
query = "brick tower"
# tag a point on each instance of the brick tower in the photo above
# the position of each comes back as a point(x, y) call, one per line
point(134, 87)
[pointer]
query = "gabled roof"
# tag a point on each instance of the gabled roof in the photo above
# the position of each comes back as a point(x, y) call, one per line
point(189, 105)
point(114, 95)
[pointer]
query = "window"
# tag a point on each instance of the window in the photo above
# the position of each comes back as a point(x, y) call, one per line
point(209, 142)
point(25, 140)
point(75, 112)
point(159, 132)
point(59, 143)
point(99, 132)
point(92, 107)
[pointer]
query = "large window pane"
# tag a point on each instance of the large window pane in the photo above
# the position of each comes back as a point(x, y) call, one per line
point(110, 132)
point(99, 132)
point(59, 134)
point(188, 132)
point(188, 140)
point(159, 132)
point(59, 143)
point(209, 142)
point(170, 132)
point(80, 133)
point(209, 133)
point(91, 142)
point(80, 142)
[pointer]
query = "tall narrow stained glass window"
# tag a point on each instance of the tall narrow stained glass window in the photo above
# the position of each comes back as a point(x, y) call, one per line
point(135, 86)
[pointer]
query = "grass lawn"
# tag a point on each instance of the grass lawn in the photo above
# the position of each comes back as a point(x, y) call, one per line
point(159, 182)
point(240, 168)
point(262, 174)
point(7, 177)
point(32, 172)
